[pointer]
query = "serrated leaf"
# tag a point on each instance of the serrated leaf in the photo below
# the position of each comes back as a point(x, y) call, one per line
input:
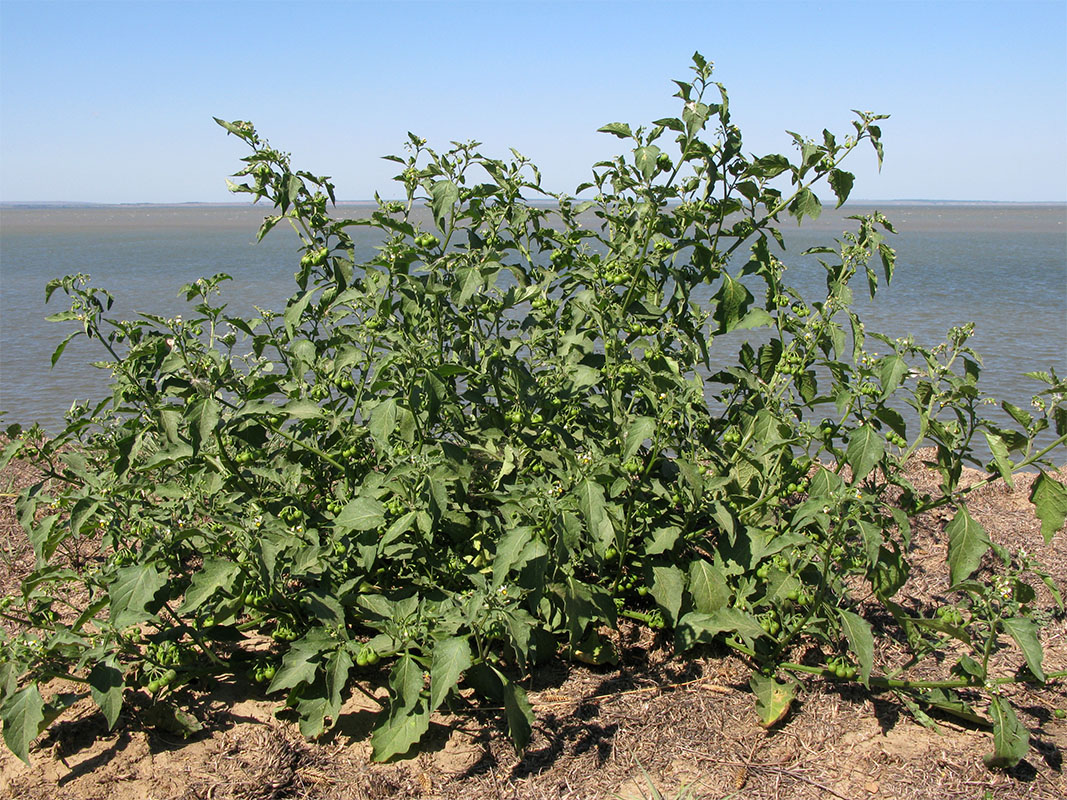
point(696, 627)
point(360, 514)
point(451, 658)
point(708, 586)
point(133, 589)
point(773, 699)
point(861, 640)
point(396, 733)
point(967, 543)
point(298, 666)
point(1050, 504)
point(1011, 741)
point(1024, 632)
point(212, 576)
point(841, 182)
point(106, 685)
point(312, 712)
point(663, 540)
point(23, 715)
point(805, 204)
point(731, 303)
point(865, 449)
point(667, 586)
point(640, 429)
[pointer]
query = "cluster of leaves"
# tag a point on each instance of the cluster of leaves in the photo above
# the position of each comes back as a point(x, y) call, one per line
point(481, 447)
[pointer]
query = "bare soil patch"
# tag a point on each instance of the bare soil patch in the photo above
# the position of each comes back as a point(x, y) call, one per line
point(656, 722)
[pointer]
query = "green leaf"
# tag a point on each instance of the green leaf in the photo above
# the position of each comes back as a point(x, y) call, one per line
point(518, 712)
point(23, 715)
point(1018, 414)
point(645, 160)
point(805, 204)
point(1050, 504)
point(1024, 632)
point(338, 666)
point(769, 166)
point(1011, 741)
point(406, 683)
point(640, 429)
point(360, 514)
point(731, 302)
point(133, 589)
point(861, 640)
point(891, 371)
point(312, 712)
point(382, 422)
point(302, 409)
point(967, 543)
point(63, 346)
point(451, 658)
point(865, 449)
point(708, 586)
point(397, 732)
point(298, 666)
point(444, 195)
point(591, 505)
point(215, 574)
point(773, 699)
point(620, 129)
point(663, 540)
point(106, 685)
point(203, 416)
point(667, 586)
point(1001, 460)
point(841, 182)
point(696, 627)
point(469, 283)
point(509, 553)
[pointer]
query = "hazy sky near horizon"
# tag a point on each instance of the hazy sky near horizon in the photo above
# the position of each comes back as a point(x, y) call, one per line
point(113, 101)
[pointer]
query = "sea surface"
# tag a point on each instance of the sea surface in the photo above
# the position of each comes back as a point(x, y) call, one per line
point(1004, 267)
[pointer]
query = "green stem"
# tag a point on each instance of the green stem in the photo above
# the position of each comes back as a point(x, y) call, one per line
point(196, 637)
point(882, 682)
point(992, 478)
point(309, 448)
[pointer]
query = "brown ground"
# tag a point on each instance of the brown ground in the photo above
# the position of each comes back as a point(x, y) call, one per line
point(657, 723)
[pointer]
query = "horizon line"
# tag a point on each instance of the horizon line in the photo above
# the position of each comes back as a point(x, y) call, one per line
point(245, 203)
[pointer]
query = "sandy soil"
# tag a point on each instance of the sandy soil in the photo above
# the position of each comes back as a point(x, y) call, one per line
point(658, 722)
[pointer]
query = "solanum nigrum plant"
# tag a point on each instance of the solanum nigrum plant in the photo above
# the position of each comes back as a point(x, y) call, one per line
point(511, 426)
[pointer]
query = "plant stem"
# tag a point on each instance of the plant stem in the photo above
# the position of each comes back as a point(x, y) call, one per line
point(883, 682)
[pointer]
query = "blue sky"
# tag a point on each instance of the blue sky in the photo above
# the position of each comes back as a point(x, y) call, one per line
point(112, 101)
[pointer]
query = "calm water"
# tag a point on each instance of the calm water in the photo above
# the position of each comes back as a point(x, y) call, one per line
point(1001, 266)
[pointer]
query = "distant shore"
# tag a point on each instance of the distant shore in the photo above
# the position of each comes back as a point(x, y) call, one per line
point(45, 204)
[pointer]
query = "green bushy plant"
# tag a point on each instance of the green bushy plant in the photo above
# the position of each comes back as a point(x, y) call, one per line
point(509, 427)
